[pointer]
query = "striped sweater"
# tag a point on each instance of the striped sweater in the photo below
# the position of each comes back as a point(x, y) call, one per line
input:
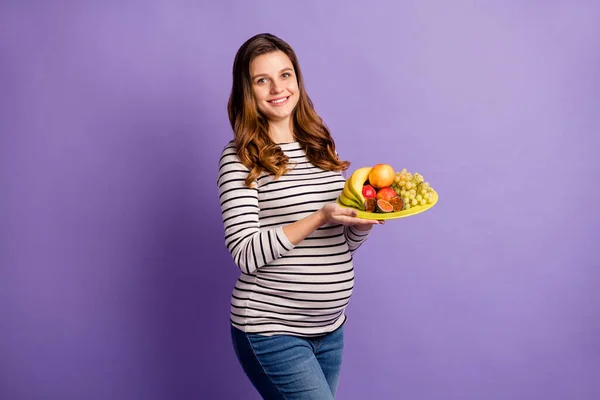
point(285, 289)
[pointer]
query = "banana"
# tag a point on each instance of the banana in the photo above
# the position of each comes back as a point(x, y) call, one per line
point(348, 201)
point(349, 193)
point(356, 182)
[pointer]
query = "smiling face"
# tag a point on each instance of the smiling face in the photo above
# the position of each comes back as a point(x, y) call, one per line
point(274, 85)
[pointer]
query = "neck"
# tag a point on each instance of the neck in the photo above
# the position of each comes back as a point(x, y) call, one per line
point(281, 131)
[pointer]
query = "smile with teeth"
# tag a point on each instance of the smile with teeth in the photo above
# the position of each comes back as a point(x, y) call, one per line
point(279, 101)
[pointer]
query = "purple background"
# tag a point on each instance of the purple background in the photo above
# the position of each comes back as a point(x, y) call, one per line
point(114, 279)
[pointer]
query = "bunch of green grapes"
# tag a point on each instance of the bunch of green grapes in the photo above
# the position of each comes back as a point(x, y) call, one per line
point(413, 189)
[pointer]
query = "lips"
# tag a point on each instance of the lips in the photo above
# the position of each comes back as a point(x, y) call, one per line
point(279, 101)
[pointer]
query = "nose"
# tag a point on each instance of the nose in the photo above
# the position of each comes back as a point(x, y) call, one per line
point(276, 87)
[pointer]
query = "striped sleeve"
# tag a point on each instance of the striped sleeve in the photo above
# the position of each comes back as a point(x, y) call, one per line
point(355, 238)
point(250, 247)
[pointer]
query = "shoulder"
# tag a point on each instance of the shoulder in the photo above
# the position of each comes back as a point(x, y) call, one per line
point(229, 157)
point(229, 149)
point(231, 168)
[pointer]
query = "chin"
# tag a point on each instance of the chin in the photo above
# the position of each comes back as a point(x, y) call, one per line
point(277, 118)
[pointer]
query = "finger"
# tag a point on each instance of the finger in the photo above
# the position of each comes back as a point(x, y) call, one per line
point(346, 220)
point(361, 221)
point(370, 221)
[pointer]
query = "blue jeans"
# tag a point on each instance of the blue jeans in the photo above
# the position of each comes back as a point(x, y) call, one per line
point(291, 367)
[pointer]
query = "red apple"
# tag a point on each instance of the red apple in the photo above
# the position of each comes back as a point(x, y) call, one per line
point(386, 193)
point(369, 192)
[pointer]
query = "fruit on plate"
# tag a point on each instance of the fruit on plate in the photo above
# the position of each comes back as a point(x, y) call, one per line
point(397, 203)
point(386, 193)
point(412, 189)
point(380, 189)
point(369, 192)
point(349, 201)
point(370, 205)
point(351, 195)
point(381, 175)
point(357, 180)
point(384, 206)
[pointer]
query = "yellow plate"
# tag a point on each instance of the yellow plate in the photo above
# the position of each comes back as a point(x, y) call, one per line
point(398, 214)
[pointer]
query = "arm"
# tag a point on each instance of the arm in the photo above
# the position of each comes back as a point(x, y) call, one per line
point(356, 235)
point(250, 247)
point(329, 213)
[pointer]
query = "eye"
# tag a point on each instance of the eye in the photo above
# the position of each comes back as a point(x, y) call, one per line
point(286, 75)
point(261, 80)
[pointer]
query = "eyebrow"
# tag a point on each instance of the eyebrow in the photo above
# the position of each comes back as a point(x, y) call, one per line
point(283, 70)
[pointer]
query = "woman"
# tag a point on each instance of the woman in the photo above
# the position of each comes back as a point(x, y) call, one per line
point(278, 181)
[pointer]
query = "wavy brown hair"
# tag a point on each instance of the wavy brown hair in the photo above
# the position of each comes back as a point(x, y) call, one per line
point(254, 147)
